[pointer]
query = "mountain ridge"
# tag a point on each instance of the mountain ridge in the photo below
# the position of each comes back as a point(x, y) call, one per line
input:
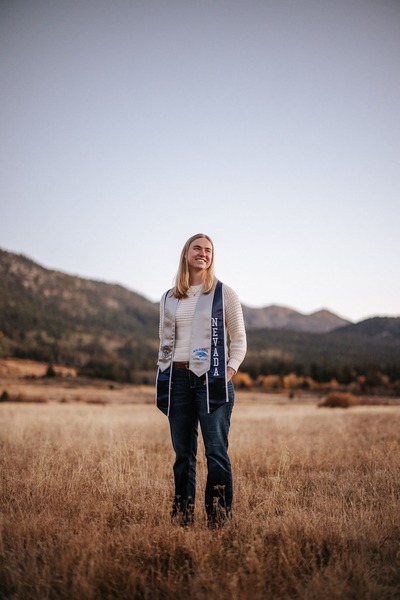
point(282, 317)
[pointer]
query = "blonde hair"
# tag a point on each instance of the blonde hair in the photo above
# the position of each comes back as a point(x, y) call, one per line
point(182, 279)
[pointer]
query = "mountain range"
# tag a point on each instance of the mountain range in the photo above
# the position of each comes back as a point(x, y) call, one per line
point(25, 282)
point(281, 317)
point(49, 315)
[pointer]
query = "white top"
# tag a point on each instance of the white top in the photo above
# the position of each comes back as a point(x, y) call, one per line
point(233, 319)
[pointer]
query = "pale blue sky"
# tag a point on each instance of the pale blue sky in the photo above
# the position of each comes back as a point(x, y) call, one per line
point(274, 126)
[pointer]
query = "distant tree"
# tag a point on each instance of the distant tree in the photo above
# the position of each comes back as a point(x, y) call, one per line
point(50, 371)
point(4, 396)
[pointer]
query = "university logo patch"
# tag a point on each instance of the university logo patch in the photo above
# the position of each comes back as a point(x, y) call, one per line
point(166, 351)
point(200, 354)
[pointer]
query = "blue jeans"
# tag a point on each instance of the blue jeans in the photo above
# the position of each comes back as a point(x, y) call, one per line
point(188, 409)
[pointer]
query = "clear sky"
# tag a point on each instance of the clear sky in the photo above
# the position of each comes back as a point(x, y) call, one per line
point(272, 125)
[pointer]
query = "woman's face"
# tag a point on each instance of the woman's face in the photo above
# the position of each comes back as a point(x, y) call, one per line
point(199, 254)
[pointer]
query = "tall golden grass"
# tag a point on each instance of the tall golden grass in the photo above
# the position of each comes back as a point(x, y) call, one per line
point(87, 489)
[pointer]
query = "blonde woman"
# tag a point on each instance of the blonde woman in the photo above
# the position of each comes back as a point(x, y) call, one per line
point(202, 344)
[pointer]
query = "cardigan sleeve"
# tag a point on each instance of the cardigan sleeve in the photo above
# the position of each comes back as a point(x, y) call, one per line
point(235, 328)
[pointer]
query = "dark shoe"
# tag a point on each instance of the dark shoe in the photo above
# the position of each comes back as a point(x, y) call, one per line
point(219, 519)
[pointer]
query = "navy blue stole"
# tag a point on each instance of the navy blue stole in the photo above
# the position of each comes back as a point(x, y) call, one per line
point(216, 376)
point(163, 390)
point(163, 382)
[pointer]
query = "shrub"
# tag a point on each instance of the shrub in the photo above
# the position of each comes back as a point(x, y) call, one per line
point(339, 400)
point(271, 383)
point(242, 381)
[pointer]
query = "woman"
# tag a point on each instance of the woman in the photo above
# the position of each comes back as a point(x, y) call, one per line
point(195, 368)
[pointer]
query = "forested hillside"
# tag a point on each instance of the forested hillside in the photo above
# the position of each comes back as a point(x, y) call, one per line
point(51, 316)
point(342, 354)
point(109, 331)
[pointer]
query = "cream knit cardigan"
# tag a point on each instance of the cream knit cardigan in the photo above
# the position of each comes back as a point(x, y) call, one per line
point(233, 320)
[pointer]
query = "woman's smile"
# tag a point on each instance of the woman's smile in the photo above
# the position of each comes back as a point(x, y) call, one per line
point(199, 253)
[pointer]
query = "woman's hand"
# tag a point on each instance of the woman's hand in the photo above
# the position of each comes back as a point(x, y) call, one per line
point(230, 373)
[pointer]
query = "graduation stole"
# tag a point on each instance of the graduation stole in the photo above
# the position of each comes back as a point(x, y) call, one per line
point(207, 348)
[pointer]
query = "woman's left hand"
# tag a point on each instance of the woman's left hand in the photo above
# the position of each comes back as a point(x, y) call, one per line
point(230, 373)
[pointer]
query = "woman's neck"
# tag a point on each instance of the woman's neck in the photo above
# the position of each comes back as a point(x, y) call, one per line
point(196, 278)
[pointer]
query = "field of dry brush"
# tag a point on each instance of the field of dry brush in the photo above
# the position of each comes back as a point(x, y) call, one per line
point(86, 494)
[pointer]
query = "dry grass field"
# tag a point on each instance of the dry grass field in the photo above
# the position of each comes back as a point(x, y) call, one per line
point(86, 491)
